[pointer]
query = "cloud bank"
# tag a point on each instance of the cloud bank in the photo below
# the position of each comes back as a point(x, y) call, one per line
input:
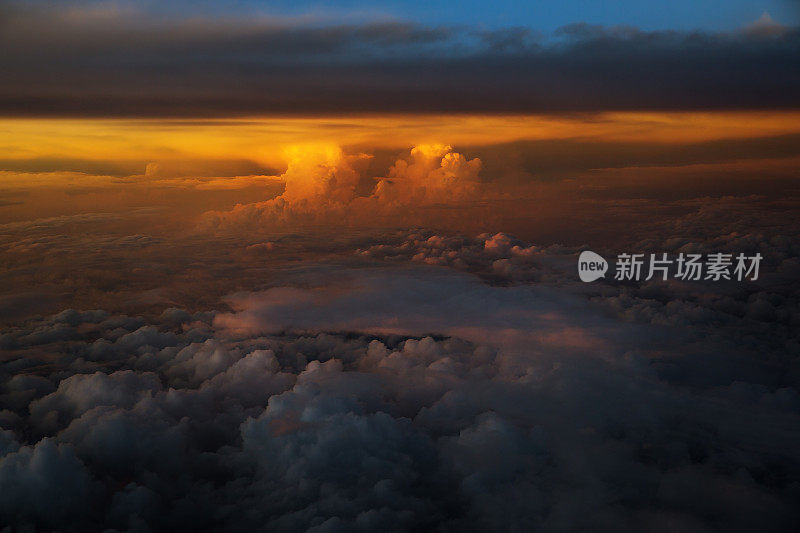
point(122, 61)
point(408, 393)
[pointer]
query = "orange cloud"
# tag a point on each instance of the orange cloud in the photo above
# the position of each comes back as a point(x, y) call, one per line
point(321, 174)
point(321, 184)
point(268, 140)
point(432, 174)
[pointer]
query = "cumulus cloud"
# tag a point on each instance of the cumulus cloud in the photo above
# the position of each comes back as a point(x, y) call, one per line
point(499, 257)
point(44, 484)
point(407, 395)
point(322, 185)
point(433, 174)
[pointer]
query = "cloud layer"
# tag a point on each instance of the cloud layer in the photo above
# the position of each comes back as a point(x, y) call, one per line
point(106, 61)
point(399, 394)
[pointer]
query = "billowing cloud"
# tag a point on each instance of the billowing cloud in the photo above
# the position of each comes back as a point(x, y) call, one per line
point(322, 184)
point(432, 174)
point(447, 404)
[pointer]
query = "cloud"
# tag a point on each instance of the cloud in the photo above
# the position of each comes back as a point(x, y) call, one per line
point(408, 395)
point(53, 222)
point(433, 174)
point(374, 429)
point(765, 26)
point(63, 62)
point(498, 258)
point(322, 186)
point(417, 301)
point(403, 379)
point(44, 484)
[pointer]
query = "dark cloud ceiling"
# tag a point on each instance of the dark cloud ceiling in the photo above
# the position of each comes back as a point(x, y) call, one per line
point(117, 63)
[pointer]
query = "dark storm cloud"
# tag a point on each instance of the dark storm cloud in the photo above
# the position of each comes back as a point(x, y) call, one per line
point(116, 62)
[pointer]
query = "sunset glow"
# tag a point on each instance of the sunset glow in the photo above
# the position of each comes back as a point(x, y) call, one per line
point(265, 139)
point(402, 266)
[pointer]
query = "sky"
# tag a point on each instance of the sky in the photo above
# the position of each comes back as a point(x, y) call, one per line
point(313, 266)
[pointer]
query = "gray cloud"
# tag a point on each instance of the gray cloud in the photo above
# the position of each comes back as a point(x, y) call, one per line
point(525, 408)
point(107, 62)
